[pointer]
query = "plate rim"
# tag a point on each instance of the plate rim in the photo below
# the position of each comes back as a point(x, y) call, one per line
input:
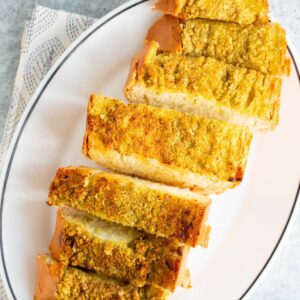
point(6, 167)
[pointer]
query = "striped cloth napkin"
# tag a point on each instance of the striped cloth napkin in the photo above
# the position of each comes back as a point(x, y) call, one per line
point(46, 36)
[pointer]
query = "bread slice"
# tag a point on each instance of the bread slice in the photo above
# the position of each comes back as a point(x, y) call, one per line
point(206, 87)
point(56, 281)
point(167, 146)
point(155, 208)
point(242, 11)
point(256, 47)
point(82, 240)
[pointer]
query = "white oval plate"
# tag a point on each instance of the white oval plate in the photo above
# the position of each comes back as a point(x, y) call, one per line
point(248, 222)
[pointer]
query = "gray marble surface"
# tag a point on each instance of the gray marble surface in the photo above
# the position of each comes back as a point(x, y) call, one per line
point(283, 279)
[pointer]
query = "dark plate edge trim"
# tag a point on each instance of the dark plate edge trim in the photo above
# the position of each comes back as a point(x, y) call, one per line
point(24, 125)
point(289, 217)
point(29, 114)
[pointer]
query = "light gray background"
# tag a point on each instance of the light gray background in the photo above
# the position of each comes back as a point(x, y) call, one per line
point(283, 279)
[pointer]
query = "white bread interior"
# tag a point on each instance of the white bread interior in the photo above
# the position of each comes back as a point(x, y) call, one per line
point(195, 105)
point(169, 175)
point(172, 190)
point(101, 229)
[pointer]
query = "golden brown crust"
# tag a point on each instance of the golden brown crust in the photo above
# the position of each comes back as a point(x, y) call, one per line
point(56, 244)
point(171, 7)
point(287, 67)
point(48, 277)
point(85, 149)
point(136, 70)
point(202, 146)
point(131, 79)
point(242, 12)
point(167, 33)
point(58, 282)
point(255, 47)
point(142, 260)
point(204, 232)
point(250, 95)
point(131, 202)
